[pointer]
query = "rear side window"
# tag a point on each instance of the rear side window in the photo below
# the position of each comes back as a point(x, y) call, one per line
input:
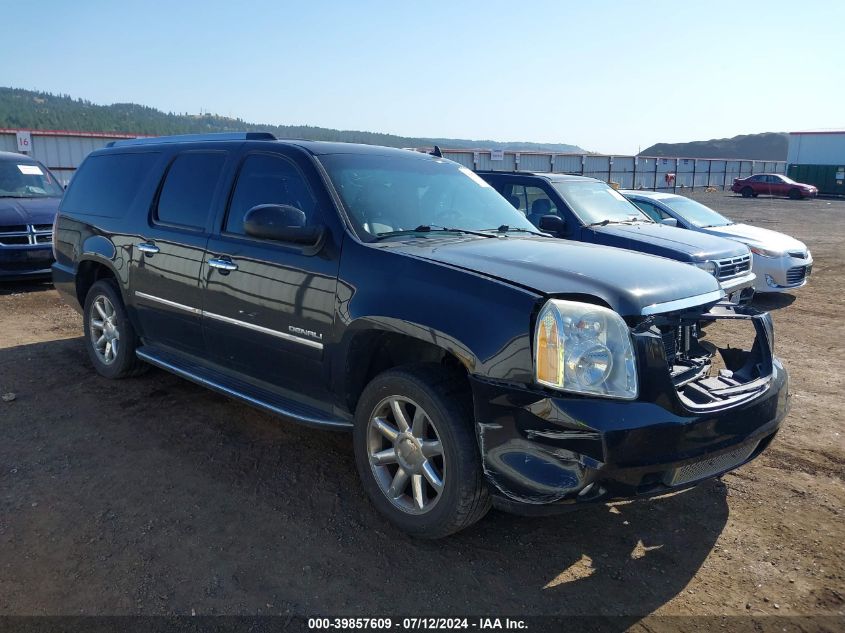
point(106, 185)
point(188, 189)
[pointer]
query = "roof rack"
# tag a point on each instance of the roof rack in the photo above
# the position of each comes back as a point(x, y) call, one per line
point(189, 138)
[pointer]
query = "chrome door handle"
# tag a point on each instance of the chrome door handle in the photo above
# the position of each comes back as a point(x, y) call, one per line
point(148, 249)
point(222, 264)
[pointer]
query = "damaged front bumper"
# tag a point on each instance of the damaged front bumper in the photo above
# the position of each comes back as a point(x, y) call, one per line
point(545, 451)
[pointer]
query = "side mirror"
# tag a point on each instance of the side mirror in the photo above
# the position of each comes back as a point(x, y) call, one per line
point(669, 221)
point(553, 224)
point(282, 223)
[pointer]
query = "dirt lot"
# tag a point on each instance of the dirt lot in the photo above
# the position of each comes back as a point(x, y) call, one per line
point(154, 496)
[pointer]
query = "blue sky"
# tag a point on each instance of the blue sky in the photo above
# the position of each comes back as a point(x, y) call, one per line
point(608, 76)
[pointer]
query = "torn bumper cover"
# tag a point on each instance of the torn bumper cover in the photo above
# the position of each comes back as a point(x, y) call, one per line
point(545, 450)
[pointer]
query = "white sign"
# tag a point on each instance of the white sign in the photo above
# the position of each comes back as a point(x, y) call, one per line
point(497, 154)
point(30, 170)
point(24, 142)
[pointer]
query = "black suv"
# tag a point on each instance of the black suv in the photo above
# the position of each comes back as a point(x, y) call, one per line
point(397, 295)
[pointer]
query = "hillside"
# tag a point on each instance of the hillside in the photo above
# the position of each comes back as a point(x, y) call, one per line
point(766, 146)
point(44, 111)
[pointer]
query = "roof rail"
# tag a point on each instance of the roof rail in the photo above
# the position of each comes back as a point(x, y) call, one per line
point(189, 138)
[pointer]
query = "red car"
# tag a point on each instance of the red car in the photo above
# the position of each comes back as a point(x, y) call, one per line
point(773, 185)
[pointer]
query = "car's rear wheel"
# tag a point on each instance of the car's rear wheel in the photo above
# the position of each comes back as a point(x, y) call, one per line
point(110, 339)
point(416, 451)
point(794, 194)
point(747, 192)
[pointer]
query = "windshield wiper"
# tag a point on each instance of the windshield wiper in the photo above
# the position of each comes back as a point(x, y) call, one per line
point(605, 222)
point(506, 229)
point(429, 228)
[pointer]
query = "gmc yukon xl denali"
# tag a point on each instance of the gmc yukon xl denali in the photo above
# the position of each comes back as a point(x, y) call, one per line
point(397, 295)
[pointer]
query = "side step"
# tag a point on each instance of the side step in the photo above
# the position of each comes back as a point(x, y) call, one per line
point(240, 389)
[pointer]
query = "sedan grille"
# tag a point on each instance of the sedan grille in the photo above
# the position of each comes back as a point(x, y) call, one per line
point(21, 234)
point(796, 274)
point(733, 266)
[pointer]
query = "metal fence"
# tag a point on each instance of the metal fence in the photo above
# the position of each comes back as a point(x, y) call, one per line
point(61, 151)
point(629, 172)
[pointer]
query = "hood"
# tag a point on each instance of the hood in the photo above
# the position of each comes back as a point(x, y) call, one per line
point(628, 282)
point(756, 236)
point(28, 210)
point(667, 241)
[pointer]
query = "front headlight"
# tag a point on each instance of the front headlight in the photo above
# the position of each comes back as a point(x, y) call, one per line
point(584, 348)
point(708, 267)
point(765, 252)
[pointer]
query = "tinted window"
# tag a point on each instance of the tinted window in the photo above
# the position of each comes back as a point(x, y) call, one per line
point(188, 189)
point(106, 185)
point(266, 179)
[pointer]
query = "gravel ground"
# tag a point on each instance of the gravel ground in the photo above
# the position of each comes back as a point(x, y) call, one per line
point(154, 496)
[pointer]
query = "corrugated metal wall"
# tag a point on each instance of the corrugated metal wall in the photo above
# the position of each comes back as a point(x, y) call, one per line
point(64, 152)
point(630, 172)
point(819, 148)
point(61, 153)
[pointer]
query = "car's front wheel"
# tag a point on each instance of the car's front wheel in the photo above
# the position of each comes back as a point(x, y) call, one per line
point(795, 194)
point(416, 451)
point(747, 192)
point(110, 338)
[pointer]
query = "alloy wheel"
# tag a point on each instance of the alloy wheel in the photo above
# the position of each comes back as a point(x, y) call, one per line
point(104, 332)
point(406, 455)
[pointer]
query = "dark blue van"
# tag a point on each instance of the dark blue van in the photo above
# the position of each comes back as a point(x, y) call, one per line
point(589, 210)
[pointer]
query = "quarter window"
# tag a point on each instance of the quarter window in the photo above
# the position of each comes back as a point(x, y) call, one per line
point(268, 179)
point(185, 198)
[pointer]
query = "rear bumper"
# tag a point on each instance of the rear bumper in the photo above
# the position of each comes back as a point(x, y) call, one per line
point(25, 262)
point(546, 453)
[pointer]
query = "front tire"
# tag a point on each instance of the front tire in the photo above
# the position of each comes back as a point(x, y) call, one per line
point(794, 194)
point(110, 339)
point(416, 452)
point(747, 192)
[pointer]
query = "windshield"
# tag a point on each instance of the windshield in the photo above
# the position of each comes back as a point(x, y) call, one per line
point(595, 202)
point(386, 194)
point(25, 179)
point(695, 213)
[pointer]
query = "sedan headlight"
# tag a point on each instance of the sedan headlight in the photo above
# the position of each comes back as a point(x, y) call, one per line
point(584, 348)
point(708, 267)
point(765, 252)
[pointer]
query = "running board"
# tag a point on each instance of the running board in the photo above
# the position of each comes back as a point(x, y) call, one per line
point(241, 390)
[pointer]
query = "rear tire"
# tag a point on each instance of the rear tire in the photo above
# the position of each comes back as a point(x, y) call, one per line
point(747, 192)
point(440, 489)
point(110, 339)
point(794, 194)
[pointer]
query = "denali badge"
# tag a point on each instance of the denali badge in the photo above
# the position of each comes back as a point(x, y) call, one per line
point(303, 332)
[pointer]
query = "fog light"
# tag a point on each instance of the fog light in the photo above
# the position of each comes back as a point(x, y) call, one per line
point(770, 282)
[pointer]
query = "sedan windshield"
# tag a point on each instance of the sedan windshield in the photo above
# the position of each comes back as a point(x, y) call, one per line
point(695, 213)
point(598, 203)
point(386, 195)
point(26, 179)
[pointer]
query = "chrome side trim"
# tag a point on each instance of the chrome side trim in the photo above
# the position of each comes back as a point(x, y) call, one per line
point(680, 304)
point(167, 302)
point(264, 330)
point(219, 317)
point(234, 393)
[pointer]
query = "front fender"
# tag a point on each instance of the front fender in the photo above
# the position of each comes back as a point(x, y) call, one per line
point(483, 322)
